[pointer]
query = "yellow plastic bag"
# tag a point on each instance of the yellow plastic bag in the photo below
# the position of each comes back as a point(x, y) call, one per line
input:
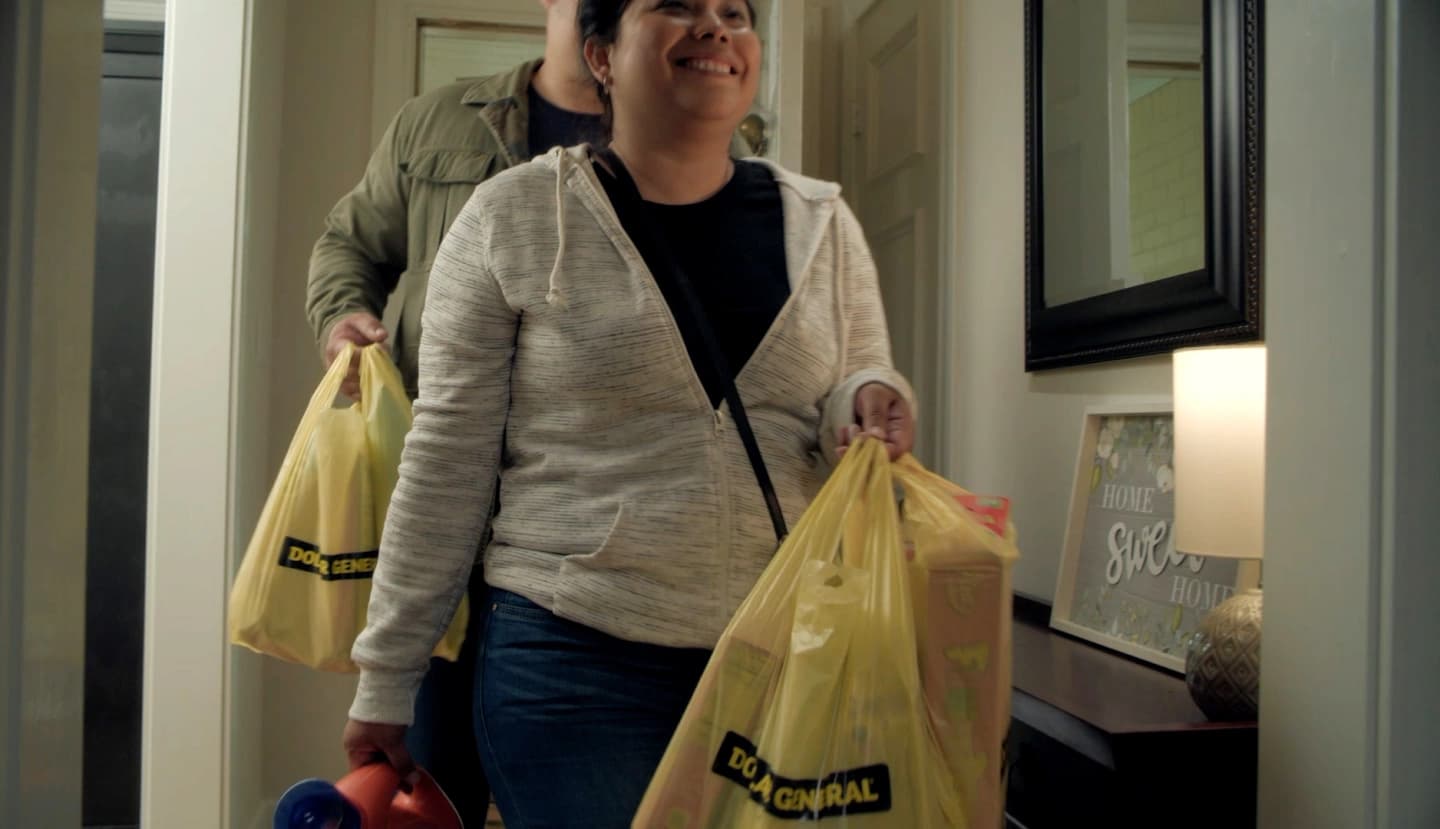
point(812, 706)
point(960, 586)
point(304, 586)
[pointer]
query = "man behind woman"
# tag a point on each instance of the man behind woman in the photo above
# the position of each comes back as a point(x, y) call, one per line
point(563, 357)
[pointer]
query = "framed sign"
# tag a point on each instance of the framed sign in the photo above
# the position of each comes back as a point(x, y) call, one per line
point(1121, 582)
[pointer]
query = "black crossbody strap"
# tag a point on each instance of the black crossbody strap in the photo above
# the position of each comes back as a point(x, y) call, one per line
point(702, 324)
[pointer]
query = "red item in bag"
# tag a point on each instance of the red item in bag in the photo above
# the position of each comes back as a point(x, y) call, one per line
point(992, 510)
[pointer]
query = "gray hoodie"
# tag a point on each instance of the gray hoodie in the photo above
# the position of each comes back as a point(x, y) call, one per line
point(551, 363)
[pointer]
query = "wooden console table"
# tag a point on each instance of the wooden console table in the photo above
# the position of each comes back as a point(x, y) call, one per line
point(1097, 737)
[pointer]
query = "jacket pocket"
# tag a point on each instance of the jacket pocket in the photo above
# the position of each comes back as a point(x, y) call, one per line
point(441, 182)
point(448, 166)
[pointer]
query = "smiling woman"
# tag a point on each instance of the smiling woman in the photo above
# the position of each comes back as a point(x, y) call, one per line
point(651, 344)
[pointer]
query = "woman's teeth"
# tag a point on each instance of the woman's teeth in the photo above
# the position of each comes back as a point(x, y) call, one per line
point(707, 66)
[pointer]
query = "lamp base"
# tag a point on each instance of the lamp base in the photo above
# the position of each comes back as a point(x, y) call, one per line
point(1222, 662)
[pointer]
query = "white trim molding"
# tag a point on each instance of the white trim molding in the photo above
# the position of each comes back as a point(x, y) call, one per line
point(146, 11)
point(1165, 42)
point(185, 757)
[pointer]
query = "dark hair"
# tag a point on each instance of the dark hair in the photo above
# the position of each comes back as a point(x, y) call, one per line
point(600, 19)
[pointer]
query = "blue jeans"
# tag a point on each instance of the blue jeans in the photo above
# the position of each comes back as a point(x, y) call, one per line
point(441, 741)
point(571, 723)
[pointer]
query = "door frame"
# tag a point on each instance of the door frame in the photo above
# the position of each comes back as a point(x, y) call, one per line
point(187, 761)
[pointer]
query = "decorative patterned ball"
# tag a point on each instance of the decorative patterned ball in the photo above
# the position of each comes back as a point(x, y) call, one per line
point(1222, 660)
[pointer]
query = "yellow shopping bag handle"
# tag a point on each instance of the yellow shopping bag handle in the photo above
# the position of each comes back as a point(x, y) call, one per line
point(322, 400)
point(376, 369)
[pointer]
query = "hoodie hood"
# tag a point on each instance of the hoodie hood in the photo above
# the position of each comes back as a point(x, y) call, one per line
point(808, 205)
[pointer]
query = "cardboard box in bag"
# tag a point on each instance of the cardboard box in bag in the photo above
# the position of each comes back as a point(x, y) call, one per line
point(960, 585)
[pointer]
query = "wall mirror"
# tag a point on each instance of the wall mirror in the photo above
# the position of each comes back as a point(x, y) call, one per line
point(1142, 123)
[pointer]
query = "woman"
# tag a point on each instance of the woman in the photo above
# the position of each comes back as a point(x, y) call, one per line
point(562, 355)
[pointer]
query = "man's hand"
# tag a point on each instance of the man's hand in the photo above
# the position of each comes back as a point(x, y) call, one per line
point(882, 413)
point(369, 742)
point(362, 329)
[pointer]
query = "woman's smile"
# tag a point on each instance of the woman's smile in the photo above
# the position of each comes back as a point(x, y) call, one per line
point(707, 66)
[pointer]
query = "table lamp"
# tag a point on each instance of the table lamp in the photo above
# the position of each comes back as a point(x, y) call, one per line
point(1220, 513)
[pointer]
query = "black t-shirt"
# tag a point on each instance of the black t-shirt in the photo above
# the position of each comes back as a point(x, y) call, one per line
point(550, 126)
point(732, 249)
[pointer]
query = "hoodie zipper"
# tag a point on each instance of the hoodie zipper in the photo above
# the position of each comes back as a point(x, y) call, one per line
point(727, 544)
point(677, 342)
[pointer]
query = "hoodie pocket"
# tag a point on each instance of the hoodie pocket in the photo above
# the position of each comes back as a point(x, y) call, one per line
point(615, 536)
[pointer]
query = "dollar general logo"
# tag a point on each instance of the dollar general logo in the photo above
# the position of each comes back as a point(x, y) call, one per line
point(304, 556)
point(852, 792)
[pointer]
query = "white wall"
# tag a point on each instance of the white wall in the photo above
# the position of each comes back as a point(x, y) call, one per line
point(1323, 256)
point(1349, 676)
point(1011, 432)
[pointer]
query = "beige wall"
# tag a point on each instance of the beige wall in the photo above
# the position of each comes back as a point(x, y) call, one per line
point(1011, 432)
point(1167, 181)
point(49, 112)
point(249, 799)
point(325, 120)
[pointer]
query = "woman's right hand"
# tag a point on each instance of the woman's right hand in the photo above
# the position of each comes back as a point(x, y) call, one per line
point(371, 742)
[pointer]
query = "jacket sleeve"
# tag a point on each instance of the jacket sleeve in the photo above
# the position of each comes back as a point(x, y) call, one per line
point(865, 340)
point(448, 470)
point(359, 257)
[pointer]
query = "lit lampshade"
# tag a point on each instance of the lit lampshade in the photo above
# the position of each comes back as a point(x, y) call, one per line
point(1220, 512)
point(1220, 451)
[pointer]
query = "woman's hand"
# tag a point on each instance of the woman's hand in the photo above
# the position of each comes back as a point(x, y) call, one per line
point(369, 742)
point(880, 412)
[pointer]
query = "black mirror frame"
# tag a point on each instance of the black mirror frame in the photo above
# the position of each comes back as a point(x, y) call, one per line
point(1220, 304)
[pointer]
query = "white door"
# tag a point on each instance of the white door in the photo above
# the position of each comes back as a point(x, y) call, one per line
point(891, 161)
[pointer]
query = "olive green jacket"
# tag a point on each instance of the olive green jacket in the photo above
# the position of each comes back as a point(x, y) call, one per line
point(380, 239)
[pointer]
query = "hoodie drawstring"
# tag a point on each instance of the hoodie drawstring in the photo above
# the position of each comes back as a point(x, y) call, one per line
point(555, 297)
